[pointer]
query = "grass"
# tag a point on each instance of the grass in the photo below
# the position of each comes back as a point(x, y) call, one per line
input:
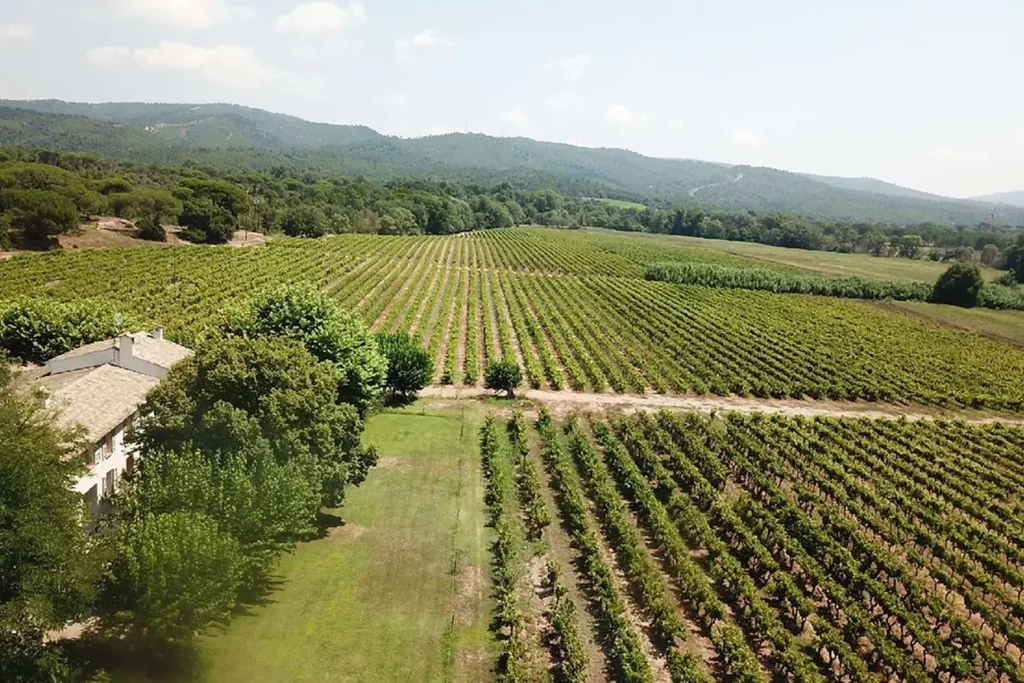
point(832, 263)
point(621, 203)
point(1006, 325)
point(400, 592)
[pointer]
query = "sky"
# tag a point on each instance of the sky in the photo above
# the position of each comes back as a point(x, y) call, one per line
point(923, 93)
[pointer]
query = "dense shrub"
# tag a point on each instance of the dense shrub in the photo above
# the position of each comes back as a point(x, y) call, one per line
point(36, 330)
point(503, 375)
point(150, 229)
point(410, 367)
point(960, 285)
point(710, 275)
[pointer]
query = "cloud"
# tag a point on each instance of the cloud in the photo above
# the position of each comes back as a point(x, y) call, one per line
point(395, 100)
point(188, 14)
point(17, 32)
point(320, 18)
point(741, 137)
point(676, 125)
point(515, 116)
point(572, 67)
point(426, 41)
point(224, 64)
point(1017, 138)
point(960, 155)
point(111, 55)
point(622, 114)
point(563, 101)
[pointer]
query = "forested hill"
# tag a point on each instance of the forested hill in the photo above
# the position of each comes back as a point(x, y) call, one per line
point(1014, 198)
point(235, 137)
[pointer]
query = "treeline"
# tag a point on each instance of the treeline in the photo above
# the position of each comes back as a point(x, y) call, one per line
point(44, 193)
point(961, 285)
point(998, 246)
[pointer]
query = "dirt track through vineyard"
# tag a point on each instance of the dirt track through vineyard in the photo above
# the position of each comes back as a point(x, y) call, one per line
point(564, 402)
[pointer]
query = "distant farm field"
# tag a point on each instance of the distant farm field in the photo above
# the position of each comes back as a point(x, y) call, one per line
point(1008, 325)
point(831, 263)
point(571, 307)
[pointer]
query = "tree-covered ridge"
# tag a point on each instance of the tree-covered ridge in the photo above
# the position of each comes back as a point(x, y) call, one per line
point(230, 136)
point(212, 202)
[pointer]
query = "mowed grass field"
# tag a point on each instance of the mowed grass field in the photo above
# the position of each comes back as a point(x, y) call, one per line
point(400, 591)
point(831, 263)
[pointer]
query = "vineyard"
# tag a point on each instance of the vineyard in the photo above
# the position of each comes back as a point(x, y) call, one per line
point(573, 309)
point(676, 547)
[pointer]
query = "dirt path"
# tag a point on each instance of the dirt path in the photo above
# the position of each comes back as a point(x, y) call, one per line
point(694, 191)
point(561, 402)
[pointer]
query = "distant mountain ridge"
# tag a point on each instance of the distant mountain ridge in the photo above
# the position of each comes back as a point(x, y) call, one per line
point(233, 136)
point(1015, 198)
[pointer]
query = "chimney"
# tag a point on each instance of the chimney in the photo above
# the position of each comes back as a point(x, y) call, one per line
point(124, 348)
point(158, 333)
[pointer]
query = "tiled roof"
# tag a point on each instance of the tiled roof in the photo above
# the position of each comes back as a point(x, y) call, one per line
point(97, 398)
point(157, 351)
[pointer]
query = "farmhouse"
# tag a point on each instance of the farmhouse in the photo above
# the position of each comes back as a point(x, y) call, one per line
point(100, 387)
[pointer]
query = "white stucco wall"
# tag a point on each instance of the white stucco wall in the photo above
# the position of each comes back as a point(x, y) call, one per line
point(117, 462)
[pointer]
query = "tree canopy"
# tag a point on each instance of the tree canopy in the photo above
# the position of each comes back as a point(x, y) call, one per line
point(960, 285)
point(302, 313)
point(46, 564)
point(410, 367)
point(36, 330)
point(503, 375)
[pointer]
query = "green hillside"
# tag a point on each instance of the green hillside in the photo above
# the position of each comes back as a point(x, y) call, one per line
point(231, 136)
point(1014, 198)
point(874, 185)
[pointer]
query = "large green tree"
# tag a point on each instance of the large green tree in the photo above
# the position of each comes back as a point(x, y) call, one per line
point(40, 214)
point(173, 576)
point(47, 570)
point(303, 313)
point(282, 396)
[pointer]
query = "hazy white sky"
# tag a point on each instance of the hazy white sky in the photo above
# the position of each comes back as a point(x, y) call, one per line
point(925, 93)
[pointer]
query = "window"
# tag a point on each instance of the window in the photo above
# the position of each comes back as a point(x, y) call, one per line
point(108, 482)
point(107, 446)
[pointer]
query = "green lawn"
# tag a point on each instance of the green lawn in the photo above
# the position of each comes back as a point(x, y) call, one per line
point(832, 263)
point(377, 599)
point(1007, 325)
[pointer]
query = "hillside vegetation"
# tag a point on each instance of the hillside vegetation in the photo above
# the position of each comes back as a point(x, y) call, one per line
point(231, 136)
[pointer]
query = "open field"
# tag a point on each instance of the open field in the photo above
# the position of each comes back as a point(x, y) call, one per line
point(831, 263)
point(754, 548)
point(570, 307)
point(398, 592)
point(1008, 325)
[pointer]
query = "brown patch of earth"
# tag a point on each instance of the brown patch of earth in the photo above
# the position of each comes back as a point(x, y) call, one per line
point(347, 532)
point(469, 591)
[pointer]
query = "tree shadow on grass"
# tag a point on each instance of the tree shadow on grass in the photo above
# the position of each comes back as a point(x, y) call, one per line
point(131, 658)
point(325, 523)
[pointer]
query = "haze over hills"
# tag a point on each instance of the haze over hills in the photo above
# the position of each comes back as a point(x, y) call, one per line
point(233, 136)
point(1013, 198)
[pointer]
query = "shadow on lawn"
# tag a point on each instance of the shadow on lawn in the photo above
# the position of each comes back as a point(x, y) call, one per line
point(133, 659)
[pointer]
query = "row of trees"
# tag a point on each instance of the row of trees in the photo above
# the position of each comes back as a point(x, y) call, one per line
point(212, 203)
